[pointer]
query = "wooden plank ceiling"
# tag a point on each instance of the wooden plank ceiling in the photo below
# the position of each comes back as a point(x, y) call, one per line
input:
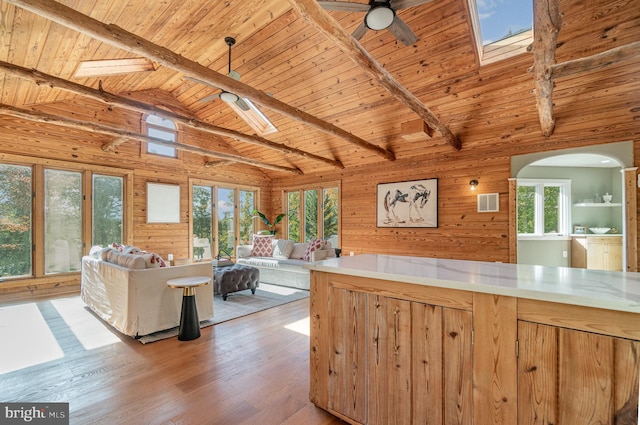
point(280, 53)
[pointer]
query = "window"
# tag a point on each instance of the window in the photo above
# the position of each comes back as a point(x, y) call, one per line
point(293, 213)
point(162, 129)
point(68, 226)
point(108, 213)
point(503, 28)
point(227, 209)
point(316, 220)
point(310, 214)
point(330, 216)
point(16, 220)
point(202, 202)
point(543, 207)
point(247, 205)
point(62, 220)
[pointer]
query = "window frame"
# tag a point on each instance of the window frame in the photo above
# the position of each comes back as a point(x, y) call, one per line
point(505, 48)
point(144, 147)
point(216, 185)
point(38, 166)
point(564, 215)
point(320, 190)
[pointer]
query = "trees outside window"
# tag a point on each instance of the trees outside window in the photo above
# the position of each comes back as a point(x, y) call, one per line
point(246, 206)
point(108, 213)
point(293, 214)
point(15, 220)
point(228, 210)
point(543, 207)
point(310, 214)
point(226, 221)
point(69, 226)
point(330, 217)
point(62, 220)
point(317, 216)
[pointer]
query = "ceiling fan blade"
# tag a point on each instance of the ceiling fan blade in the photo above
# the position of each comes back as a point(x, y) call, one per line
point(234, 74)
point(360, 31)
point(402, 32)
point(405, 4)
point(210, 97)
point(344, 6)
point(242, 104)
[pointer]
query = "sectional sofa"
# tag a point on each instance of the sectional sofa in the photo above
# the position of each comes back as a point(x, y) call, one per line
point(280, 261)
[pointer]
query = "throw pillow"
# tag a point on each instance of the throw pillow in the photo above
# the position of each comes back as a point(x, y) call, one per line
point(298, 250)
point(314, 244)
point(283, 248)
point(262, 246)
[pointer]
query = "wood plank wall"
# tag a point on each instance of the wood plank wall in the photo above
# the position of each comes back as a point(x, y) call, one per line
point(494, 124)
point(76, 147)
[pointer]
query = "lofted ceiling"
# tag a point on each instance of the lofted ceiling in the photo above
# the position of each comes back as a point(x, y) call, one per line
point(280, 53)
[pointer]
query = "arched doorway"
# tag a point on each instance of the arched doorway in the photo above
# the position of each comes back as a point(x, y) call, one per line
point(588, 174)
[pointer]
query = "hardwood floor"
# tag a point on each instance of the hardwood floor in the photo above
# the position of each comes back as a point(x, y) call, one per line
point(250, 370)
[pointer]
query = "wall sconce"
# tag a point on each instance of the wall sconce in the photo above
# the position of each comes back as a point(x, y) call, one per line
point(473, 184)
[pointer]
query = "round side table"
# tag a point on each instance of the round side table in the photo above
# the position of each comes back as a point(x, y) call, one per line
point(189, 323)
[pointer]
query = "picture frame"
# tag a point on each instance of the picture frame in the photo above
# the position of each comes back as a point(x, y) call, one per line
point(579, 230)
point(163, 203)
point(411, 203)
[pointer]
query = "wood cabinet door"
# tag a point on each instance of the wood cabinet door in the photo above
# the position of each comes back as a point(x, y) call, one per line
point(575, 377)
point(596, 253)
point(398, 362)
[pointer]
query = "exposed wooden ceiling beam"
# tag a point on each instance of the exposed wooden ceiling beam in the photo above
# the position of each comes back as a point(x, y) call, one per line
point(597, 61)
point(311, 11)
point(546, 24)
point(37, 116)
point(118, 37)
point(41, 78)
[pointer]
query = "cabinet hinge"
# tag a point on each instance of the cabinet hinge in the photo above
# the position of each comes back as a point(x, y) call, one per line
point(517, 348)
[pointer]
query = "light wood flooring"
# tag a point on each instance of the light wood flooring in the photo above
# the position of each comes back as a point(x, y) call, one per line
point(251, 370)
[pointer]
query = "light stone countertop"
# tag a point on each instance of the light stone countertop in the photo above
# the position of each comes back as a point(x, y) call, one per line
point(590, 288)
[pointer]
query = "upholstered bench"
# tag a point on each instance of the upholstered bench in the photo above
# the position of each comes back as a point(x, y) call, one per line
point(235, 278)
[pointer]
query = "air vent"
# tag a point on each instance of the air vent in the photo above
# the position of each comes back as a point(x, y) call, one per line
point(488, 202)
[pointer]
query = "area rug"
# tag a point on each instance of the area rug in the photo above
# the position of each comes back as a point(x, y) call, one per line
point(239, 304)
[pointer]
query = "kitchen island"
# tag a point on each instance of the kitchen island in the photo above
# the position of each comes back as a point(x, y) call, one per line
point(408, 340)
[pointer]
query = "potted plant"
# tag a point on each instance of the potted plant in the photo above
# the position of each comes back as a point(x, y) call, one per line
point(270, 225)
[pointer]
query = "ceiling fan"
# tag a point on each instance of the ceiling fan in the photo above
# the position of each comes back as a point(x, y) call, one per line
point(380, 15)
point(225, 95)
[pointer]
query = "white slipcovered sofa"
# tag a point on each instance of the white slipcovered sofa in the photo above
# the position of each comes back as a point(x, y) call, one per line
point(282, 263)
point(137, 301)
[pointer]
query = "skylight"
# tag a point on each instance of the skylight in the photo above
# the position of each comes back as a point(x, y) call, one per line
point(503, 28)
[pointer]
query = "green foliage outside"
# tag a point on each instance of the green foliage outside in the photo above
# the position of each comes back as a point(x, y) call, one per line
point(293, 212)
point(108, 213)
point(526, 196)
point(330, 213)
point(310, 214)
point(202, 216)
point(15, 220)
point(247, 205)
point(62, 220)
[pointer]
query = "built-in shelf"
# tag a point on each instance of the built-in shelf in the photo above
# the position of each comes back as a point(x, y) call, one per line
point(601, 204)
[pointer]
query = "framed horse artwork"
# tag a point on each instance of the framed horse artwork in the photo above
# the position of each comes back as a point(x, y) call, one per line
point(407, 204)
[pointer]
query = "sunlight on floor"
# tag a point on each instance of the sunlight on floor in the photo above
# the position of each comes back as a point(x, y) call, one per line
point(301, 326)
point(26, 338)
point(280, 290)
point(89, 331)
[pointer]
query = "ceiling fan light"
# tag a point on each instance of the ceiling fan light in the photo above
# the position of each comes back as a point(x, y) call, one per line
point(379, 17)
point(229, 97)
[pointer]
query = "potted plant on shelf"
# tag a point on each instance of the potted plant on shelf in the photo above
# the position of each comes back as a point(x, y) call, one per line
point(270, 225)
